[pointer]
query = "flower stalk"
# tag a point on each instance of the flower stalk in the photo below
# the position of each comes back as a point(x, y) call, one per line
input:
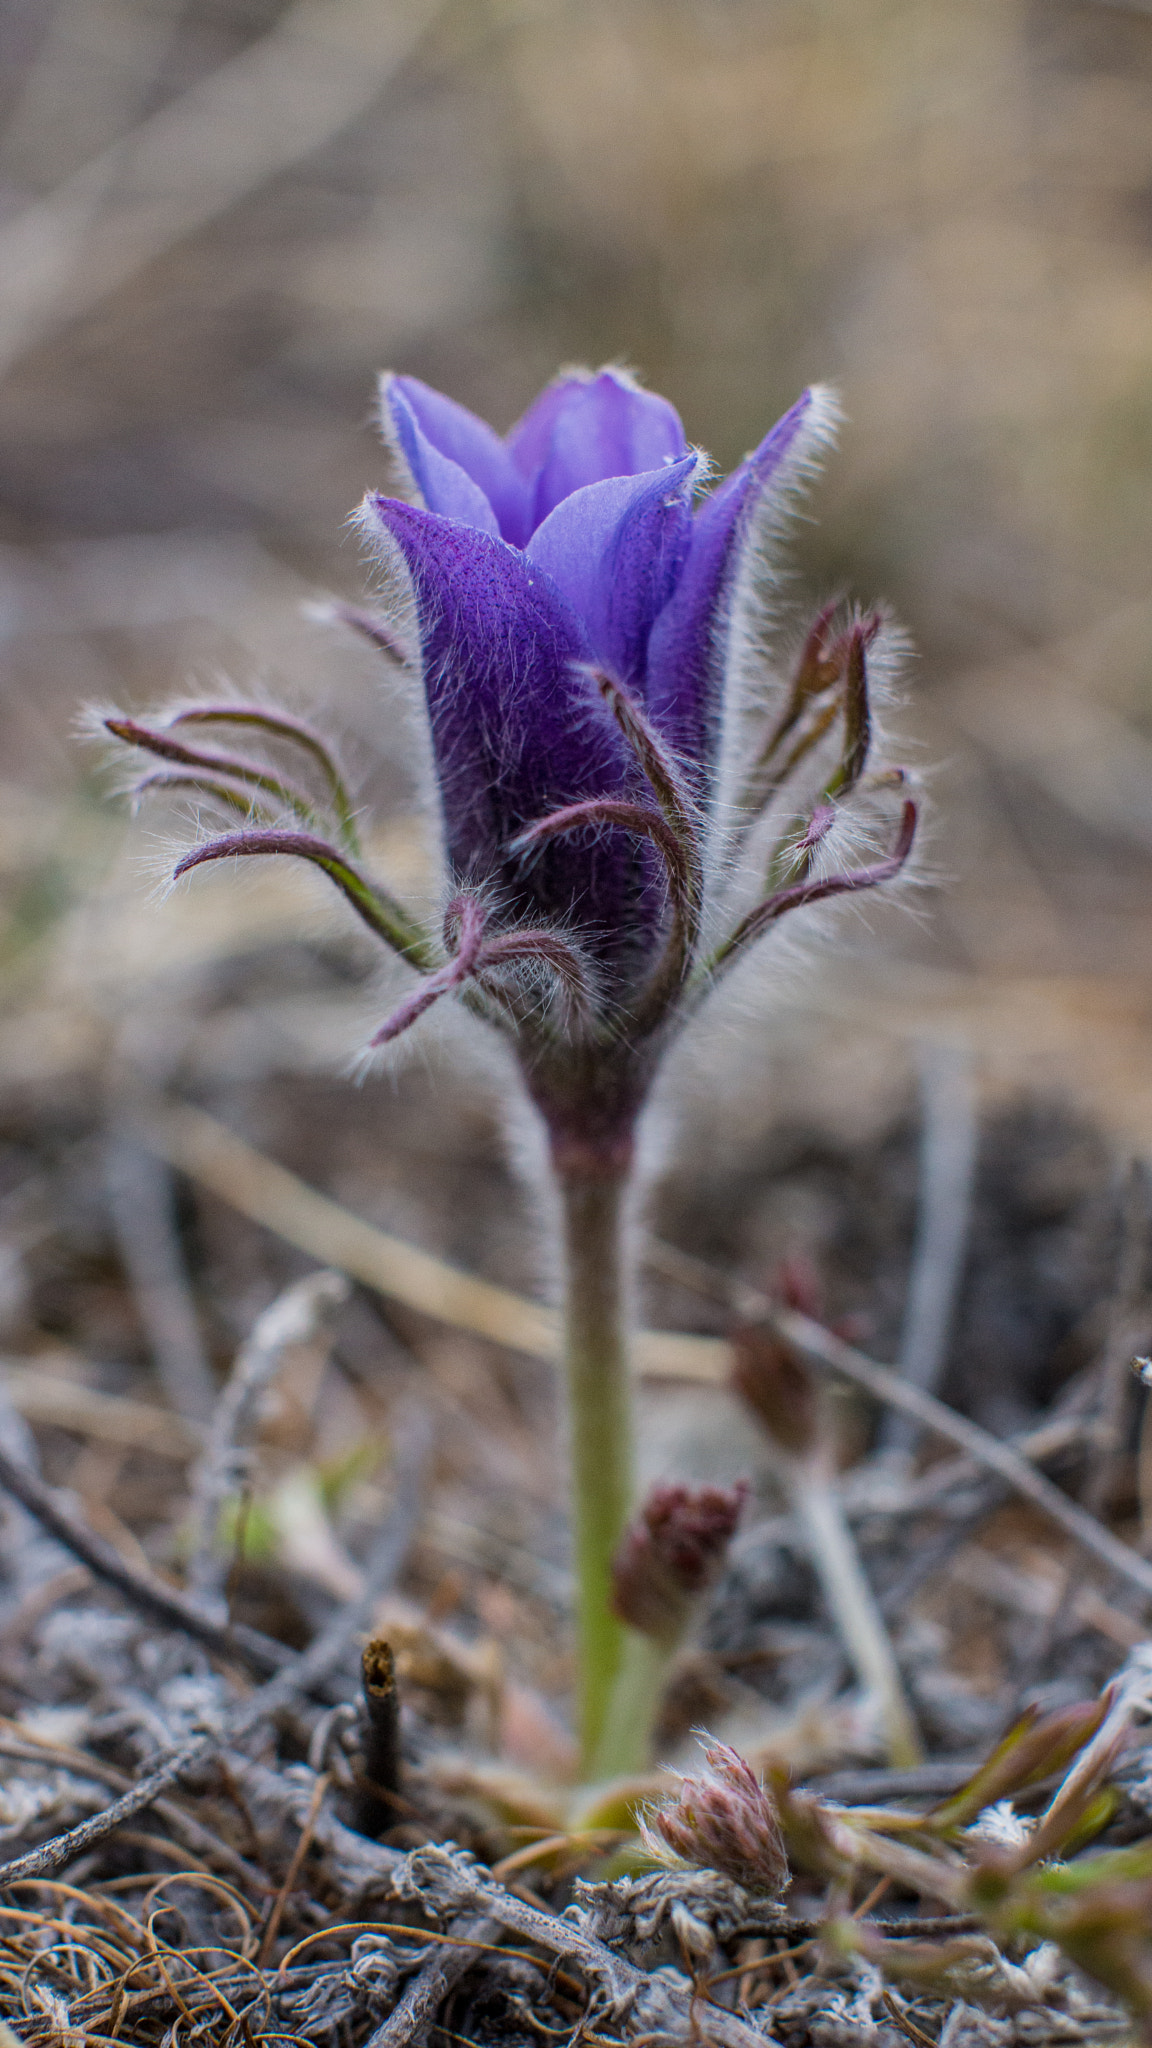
point(598, 1387)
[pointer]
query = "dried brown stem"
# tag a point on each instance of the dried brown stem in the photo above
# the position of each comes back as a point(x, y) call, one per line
point(377, 1805)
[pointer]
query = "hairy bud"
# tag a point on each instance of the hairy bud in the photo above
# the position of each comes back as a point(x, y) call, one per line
point(778, 1388)
point(722, 1820)
point(671, 1552)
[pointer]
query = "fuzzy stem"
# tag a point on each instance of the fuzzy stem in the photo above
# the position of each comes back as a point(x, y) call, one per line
point(599, 1424)
point(625, 1744)
point(816, 1502)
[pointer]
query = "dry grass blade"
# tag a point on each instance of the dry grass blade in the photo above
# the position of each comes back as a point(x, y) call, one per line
point(47, 1397)
point(254, 116)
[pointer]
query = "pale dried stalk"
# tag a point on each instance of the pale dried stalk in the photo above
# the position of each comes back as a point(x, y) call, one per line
point(947, 1176)
point(323, 63)
point(297, 1316)
point(816, 1503)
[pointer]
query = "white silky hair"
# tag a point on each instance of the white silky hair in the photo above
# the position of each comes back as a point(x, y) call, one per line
point(751, 612)
point(128, 767)
point(403, 688)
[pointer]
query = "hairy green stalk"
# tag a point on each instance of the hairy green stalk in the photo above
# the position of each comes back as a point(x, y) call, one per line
point(626, 1733)
point(599, 1392)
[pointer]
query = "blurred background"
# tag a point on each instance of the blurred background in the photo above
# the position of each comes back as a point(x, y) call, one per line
point(218, 220)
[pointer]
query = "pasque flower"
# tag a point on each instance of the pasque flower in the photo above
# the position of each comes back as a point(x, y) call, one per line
point(579, 619)
point(624, 810)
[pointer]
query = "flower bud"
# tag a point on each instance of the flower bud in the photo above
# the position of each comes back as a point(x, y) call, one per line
point(671, 1552)
point(722, 1820)
point(778, 1388)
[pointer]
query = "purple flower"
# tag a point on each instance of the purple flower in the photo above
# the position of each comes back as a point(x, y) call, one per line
point(566, 551)
point(584, 625)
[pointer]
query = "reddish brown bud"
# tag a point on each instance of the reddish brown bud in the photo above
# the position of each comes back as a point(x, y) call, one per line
point(723, 1820)
point(671, 1552)
point(779, 1389)
point(796, 1284)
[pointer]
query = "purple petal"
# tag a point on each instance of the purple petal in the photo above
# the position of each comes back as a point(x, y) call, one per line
point(518, 731)
point(614, 551)
point(529, 440)
point(439, 440)
point(686, 648)
point(600, 427)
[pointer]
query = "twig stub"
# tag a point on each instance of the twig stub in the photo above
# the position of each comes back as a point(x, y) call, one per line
point(378, 1804)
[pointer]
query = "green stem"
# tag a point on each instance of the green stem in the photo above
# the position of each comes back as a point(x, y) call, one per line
point(599, 1424)
point(625, 1745)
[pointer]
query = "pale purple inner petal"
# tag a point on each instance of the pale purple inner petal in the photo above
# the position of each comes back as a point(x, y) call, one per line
point(603, 428)
point(471, 445)
point(444, 486)
point(529, 440)
point(614, 550)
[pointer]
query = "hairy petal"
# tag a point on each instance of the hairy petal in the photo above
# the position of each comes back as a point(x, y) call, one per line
point(600, 427)
point(518, 729)
point(686, 652)
point(474, 446)
point(614, 550)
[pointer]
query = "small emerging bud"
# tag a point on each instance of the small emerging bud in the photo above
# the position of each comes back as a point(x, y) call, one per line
point(671, 1552)
point(779, 1389)
point(723, 1820)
